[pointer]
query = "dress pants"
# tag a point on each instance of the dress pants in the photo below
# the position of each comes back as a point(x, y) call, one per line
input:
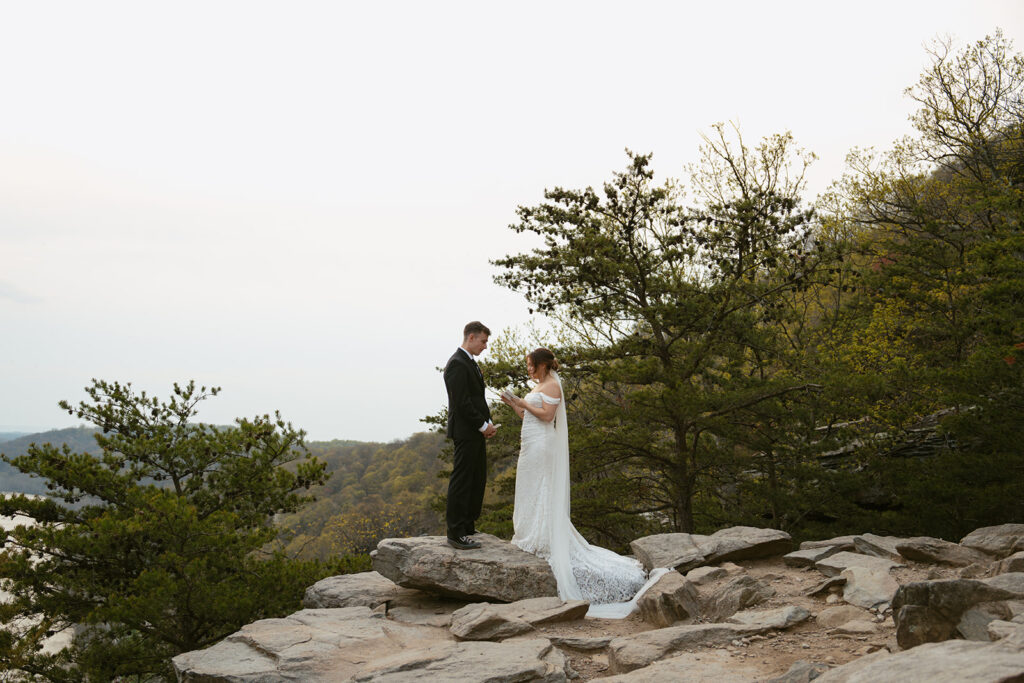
point(466, 485)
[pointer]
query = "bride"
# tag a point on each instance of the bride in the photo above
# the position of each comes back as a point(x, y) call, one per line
point(541, 513)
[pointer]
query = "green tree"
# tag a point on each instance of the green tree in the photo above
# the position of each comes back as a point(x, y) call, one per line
point(939, 224)
point(153, 547)
point(674, 313)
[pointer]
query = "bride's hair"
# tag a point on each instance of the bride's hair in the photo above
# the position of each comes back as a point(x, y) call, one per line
point(541, 356)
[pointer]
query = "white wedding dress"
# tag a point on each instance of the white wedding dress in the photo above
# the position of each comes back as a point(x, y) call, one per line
point(610, 582)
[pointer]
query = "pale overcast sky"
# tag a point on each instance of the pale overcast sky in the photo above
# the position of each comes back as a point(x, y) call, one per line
point(297, 201)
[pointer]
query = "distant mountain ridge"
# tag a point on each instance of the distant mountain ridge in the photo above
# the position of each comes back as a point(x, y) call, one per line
point(12, 480)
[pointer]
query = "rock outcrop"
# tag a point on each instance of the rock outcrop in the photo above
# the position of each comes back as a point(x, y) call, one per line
point(496, 572)
point(409, 620)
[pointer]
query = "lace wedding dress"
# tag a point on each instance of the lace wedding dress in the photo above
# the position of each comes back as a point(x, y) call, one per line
point(610, 582)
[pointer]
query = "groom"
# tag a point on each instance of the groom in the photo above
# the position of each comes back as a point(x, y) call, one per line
point(469, 425)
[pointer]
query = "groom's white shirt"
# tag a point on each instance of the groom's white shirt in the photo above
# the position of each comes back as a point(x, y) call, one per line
point(486, 424)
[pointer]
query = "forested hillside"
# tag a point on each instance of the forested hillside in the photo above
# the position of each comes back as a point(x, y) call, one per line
point(375, 490)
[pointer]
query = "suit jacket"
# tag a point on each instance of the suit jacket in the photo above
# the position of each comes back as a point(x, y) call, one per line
point(467, 407)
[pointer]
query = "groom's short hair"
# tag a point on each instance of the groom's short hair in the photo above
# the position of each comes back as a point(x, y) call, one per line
point(475, 327)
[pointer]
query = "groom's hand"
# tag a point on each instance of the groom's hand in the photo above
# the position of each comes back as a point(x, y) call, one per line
point(490, 431)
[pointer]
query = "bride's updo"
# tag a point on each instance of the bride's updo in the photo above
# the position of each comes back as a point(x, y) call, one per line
point(541, 356)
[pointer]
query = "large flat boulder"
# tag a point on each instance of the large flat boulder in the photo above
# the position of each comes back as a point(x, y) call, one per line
point(938, 551)
point(484, 621)
point(497, 571)
point(953, 661)
point(365, 589)
point(353, 643)
point(998, 541)
point(688, 551)
point(931, 611)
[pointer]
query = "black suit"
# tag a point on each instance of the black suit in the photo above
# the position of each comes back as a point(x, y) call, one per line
point(467, 413)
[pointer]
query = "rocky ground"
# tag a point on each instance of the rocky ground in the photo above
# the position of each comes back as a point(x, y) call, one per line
point(740, 605)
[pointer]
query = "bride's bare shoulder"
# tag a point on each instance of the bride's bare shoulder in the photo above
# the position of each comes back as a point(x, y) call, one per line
point(551, 389)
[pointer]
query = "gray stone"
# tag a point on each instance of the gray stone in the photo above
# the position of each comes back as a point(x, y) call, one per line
point(836, 564)
point(302, 644)
point(868, 587)
point(352, 644)
point(1011, 581)
point(671, 599)
point(973, 624)
point(779, 618)
point(585, 644)
point(484, 621)
point(857, 627)
point(978, 570)
point(745, 543)
point(938, 551)
point(998, 541)
point(801, 672)
point(668, 550)
point(999, 629)
point(837, 616)
point(497, 571)
point(687, 551)
point(736, 594)
point(468, 662)
point(825, 586)
point(631, 652)
point(693, 667)
point(844, 543)
point(424, 615)
point(929, 611)
point(953, 661)
point(703, 575)
point(878, 546)
point(366, 589)
point(808, 556)
point(1013, 563)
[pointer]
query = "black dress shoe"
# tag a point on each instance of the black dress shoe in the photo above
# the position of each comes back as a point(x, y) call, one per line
point(463, 543)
